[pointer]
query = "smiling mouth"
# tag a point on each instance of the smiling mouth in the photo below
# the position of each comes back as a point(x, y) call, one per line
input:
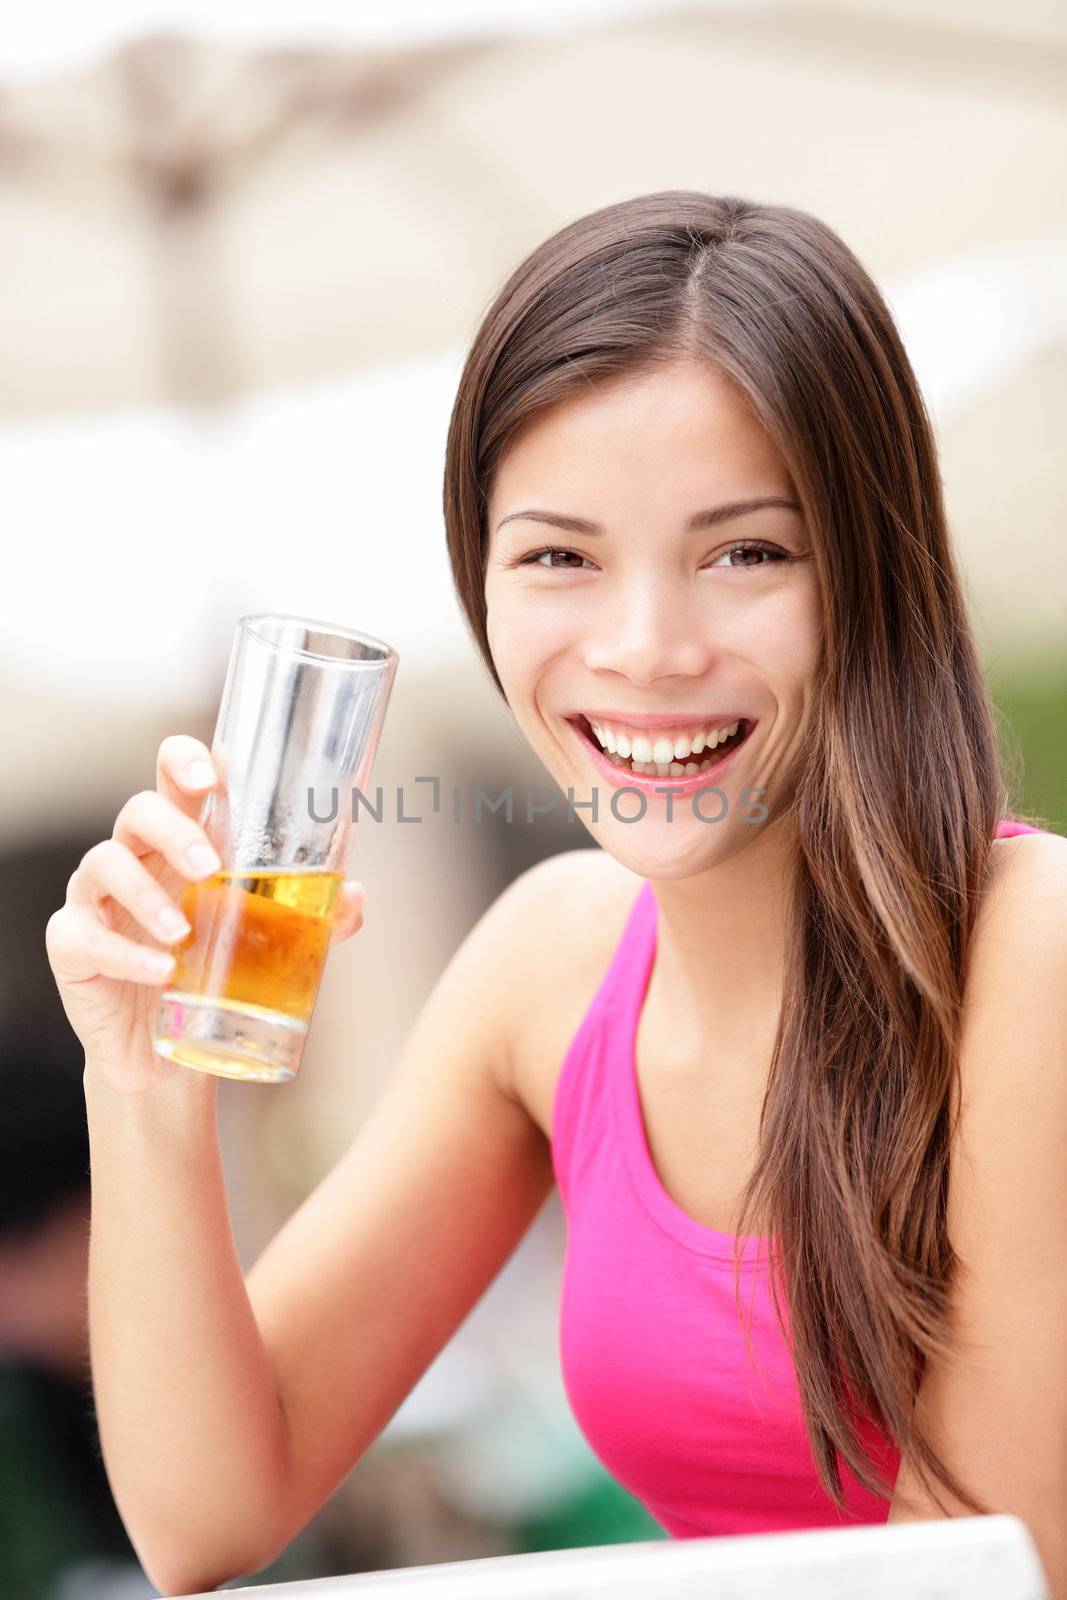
point(689, 767)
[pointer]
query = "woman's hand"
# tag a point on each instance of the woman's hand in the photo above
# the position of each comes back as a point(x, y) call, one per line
point(107, 944)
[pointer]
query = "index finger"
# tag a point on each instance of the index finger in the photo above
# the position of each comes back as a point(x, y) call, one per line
point(185, 772)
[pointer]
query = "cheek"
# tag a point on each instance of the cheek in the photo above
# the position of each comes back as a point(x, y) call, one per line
point(784, 637)
point(523, 637)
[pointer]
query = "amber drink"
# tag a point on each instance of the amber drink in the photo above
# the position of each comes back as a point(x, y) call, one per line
point(297, 731)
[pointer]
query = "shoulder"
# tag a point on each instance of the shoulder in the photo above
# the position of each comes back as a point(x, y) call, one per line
point(568, 879)
point(1013, 1067)
point(551, 933)
point(1025, 901)
point(566, 906)
point(1019, 946)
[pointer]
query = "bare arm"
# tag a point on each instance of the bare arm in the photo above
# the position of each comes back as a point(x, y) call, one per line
point(370, 1278)
point(190, 1426)
point(228, 1411)
point(998, 1410)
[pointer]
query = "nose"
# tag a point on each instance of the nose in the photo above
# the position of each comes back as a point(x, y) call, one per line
point(653, 633)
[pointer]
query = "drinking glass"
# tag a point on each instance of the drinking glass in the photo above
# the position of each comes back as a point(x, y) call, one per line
point(298, 726)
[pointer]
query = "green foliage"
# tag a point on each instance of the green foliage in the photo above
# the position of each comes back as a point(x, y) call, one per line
point(1031, 699)
point(603, 1513)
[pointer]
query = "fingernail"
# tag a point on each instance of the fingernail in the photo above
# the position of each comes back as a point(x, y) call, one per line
point(170, 921)
point(158, 963)
point(202, 859)
point(199, 774)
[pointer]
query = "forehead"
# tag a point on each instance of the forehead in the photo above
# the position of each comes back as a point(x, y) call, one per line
point(670, 433)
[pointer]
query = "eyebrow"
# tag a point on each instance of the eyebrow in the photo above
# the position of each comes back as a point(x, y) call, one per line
point(711, 518)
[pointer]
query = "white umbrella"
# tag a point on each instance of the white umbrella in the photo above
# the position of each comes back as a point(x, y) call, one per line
point(195, 217)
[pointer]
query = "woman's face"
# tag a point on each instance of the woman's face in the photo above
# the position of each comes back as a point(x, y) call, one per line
point(655, 621)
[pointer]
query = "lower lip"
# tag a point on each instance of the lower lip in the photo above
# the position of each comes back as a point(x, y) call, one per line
point(651, 784)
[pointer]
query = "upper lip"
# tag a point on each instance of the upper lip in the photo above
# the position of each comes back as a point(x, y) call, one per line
point(633, 719)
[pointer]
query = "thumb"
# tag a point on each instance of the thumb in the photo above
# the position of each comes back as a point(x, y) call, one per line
point(348, 918)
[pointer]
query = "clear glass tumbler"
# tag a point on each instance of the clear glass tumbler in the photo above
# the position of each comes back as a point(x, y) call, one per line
point(297, 732)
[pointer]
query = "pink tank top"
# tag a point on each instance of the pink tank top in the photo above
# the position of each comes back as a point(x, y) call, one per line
point(654, 1357)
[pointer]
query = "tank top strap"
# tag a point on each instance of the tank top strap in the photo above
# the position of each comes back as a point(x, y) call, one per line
point(590, 1067)
point(1008, 828)
point(624, 981)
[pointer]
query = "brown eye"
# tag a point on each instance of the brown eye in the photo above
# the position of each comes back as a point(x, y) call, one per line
point(762, 554)
point(535, 558)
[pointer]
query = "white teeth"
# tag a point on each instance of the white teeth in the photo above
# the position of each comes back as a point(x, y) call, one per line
point(674, 769)
point(663, 748)
point(662, 754)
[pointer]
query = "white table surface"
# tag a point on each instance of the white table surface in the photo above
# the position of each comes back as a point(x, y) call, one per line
point(967, 1558)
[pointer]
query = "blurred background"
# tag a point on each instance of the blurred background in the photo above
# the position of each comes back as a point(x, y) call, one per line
point(242, 252)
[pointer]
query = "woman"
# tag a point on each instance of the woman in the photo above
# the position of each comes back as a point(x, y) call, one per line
point(791, 1040)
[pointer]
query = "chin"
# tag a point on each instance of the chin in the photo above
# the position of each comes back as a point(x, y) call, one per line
point(669, 851)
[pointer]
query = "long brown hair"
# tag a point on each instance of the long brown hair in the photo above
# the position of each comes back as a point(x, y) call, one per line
point(895, 817)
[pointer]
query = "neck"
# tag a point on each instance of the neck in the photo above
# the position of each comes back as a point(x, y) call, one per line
point(720, 953)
